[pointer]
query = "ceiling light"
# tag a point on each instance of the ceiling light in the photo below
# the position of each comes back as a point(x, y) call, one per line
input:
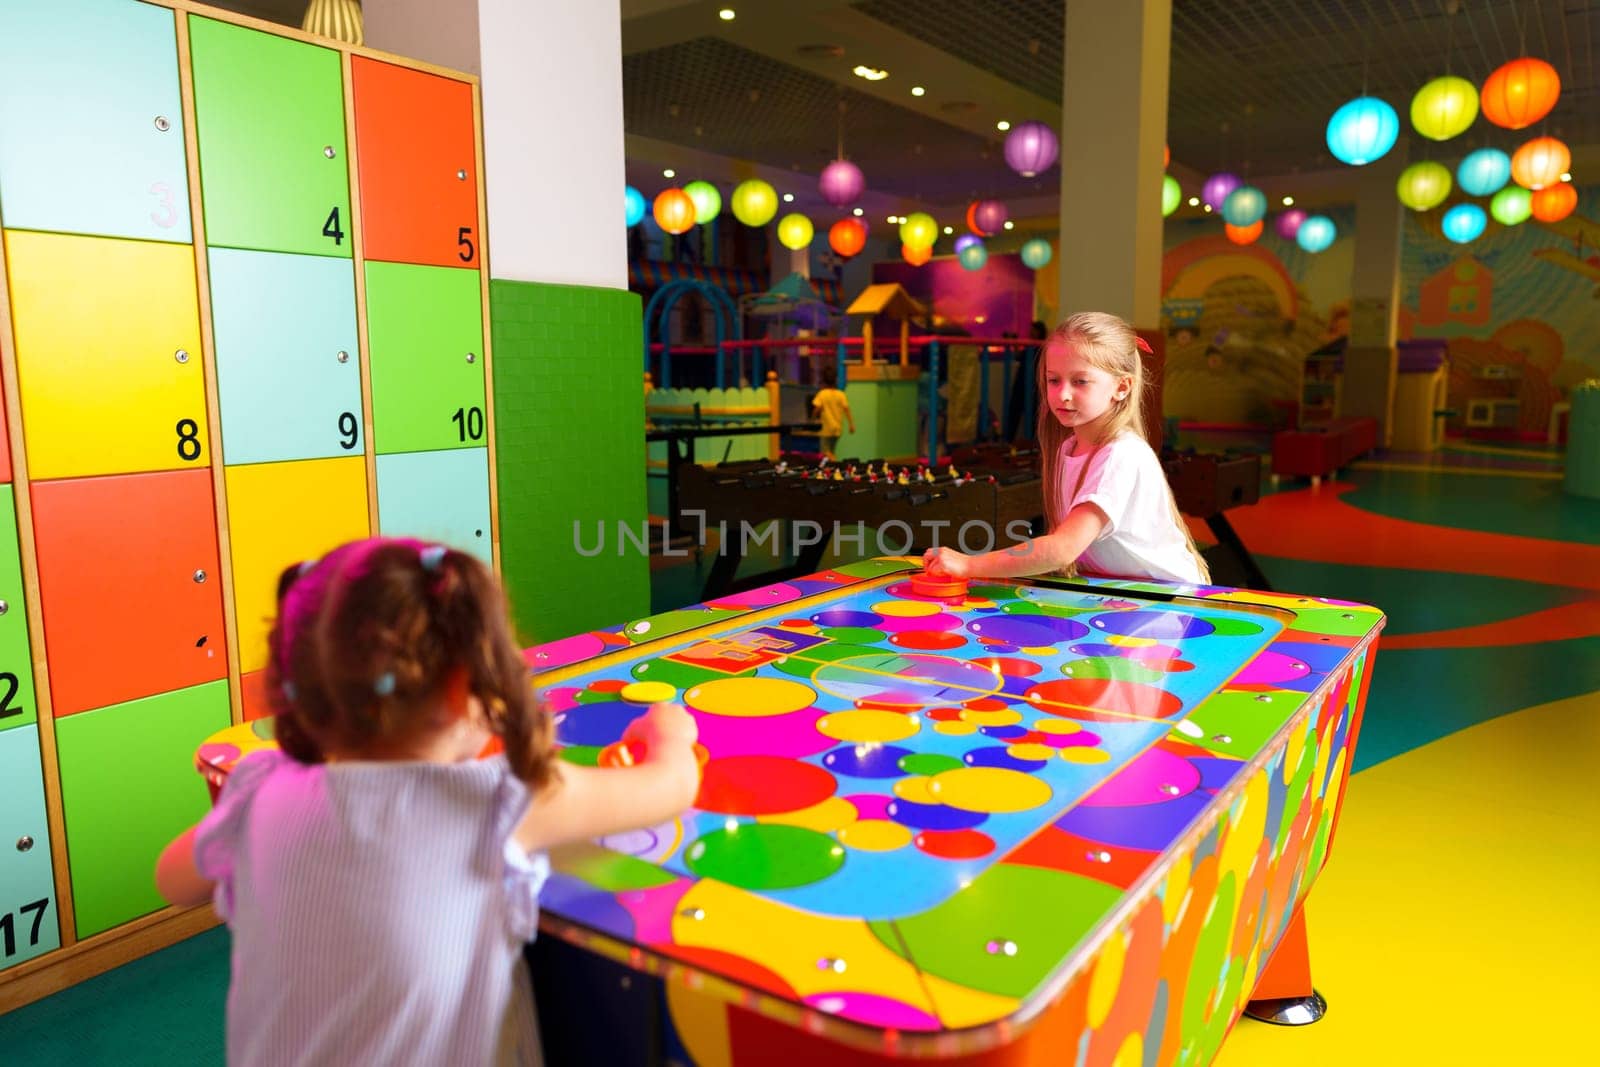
point(872, 74)
point(948, 230)
point(858, 213)
point(892, 219)
point(1566, 176)
point(1002, 125)
point(726, 14)
point(1010, 225)
point(1208, 208)
point(669, 173)
point(1194, 201)
point(1288, 201)
point(917, 90)
point(788, 198)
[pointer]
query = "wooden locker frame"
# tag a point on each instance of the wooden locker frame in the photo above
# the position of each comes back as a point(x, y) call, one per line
point(79, 959)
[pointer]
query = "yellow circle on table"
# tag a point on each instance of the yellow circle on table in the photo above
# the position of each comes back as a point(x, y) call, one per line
point(749, 698)
point(1056, 726)
point(1085, 754)
point(954, 729)
point(916, 790)
point(1040, 650)
point(867, 725)
point(998, 717)
point(875, 835)
point(989, 789)
point(825, 817)
point(906, 609)
point(647, 692)
point(1028, 750)
point(1128, 641)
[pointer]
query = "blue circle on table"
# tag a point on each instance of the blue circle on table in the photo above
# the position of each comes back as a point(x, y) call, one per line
point(846, 617)
point(1003, 733)
point(995, 756)
point(866, 761)
point(933, 816)
point(1027, 631)
point(1156, 625)
point(600, 723)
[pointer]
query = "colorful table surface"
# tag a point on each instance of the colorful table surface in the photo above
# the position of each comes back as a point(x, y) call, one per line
point(920, 815)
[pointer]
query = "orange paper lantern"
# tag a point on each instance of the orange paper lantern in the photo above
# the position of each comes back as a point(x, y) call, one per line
point(847, 237)
point(1520, 93)
point(1244, 235)
point(915, 256)
point(674, 211)
point(1555, 203)
point(1540, 162)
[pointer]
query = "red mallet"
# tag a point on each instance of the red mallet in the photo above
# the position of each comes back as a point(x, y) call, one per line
point(939, 587)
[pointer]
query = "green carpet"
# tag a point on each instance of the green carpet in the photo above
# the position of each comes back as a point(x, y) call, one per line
point(1524, 507)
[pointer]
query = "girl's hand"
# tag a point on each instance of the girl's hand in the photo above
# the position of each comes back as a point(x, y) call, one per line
point(663, 727)
point(946, 562)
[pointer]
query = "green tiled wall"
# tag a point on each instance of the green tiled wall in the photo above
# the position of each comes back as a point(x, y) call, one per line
point(569, 440)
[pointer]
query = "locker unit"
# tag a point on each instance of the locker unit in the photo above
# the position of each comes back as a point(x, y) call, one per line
point(242, 320)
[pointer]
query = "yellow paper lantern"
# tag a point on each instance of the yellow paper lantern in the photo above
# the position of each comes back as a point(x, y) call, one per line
point(1423, 186)
point(795, 231)
point(1444, 107)
point(754, 202)
point(1540, 162)
point(919, 230)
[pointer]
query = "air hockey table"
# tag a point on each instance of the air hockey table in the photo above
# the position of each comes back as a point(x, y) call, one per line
point(1046, 821)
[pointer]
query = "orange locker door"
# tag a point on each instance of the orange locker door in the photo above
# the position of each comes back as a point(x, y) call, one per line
point(129, 584)
point(416, 153)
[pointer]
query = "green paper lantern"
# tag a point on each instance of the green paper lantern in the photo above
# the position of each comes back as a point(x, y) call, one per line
point(707, 201)
point(919, 230)
point(1423, 185)
point(754, 202)
point(795, 231)
point(1036, 253)
point(1444, 107)
point(1171, 195)
point(1511, 205)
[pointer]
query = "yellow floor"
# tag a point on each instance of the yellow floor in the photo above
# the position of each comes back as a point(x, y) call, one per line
point(1458, 920)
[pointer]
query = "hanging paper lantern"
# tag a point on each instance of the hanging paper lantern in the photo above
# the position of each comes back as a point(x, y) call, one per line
point(842, 183)
point(919, 230)
point(1362, 131)
point(1423, 186)
point(1244, 235)
point(1036, 253)
point(707, 201)
point(1463, 223)
point(1171, 195)
point(1217, 187)
point(1444, 107)
point(847, 236)
point(1316, 233)
point(1288, 223)
point(1166, 155)
point(1540, 162)
point(972, 219)
point(1030, 148)
point(754, 202)
point(1555, 202)
point(674, 211)
point(966, 240)
point(633, 205)
point(1511, 205)
point(1484, 172)
point(973, 257)
point(1520, 93)
point(795, 231)
point(990, 215)
point(916, 256)
point(1245, 206)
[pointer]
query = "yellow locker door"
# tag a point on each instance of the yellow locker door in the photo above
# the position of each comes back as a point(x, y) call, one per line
point(282, 513)
point(108, 353)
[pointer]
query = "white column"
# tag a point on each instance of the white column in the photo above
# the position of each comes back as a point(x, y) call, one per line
point(1370, 359)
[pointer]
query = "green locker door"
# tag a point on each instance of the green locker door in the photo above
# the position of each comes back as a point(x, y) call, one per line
point(28, 926)
point(128, 786)
point(270, 117)
point(425, 337)
point(17, 707)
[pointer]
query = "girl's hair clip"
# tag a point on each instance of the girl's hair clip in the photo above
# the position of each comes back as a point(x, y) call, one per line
point(1142, 344)
point(431, 557)
point(384, 685)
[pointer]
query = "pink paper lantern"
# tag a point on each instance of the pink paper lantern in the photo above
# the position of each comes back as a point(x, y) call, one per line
point(1031, 147)
point(1217, 188)
point(842, 183)
point(990, 215)
point(1288, 223)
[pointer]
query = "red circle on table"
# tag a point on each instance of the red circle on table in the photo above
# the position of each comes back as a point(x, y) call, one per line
point(797, 624)
point(954, 844)
point(986, 704)
point(927, 640)
point(1010, 666)
point(606, 685)
point(762, 785)
point(1102, 699)
point(943, 714)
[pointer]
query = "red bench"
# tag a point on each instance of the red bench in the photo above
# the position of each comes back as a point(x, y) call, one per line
point(1319, 449)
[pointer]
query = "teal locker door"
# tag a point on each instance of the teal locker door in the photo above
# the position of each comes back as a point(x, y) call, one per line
point(425, 347)
point(91, 126)
point(269, 113)
point(17, 707)
point(437, 496)
point(28, 926)
point(288, 366)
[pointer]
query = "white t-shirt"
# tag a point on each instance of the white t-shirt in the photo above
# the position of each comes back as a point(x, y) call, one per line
point(1141, 538)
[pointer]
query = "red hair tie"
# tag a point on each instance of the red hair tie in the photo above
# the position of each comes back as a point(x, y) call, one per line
point(1143, 345)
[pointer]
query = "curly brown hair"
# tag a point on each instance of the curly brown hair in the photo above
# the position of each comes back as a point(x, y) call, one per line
point(366, 638)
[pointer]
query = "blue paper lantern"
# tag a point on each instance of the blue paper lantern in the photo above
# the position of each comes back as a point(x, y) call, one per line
point(1245, 206)
point(1464, 223)
point(1362, 130)
point(966, 241)
point(974, 256)
point(1484, 172)
point(1316, 233)
point(1036, 253)
point(635, 206)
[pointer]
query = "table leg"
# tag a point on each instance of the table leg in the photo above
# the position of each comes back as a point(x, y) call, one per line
point(1228, 538)
point(1284, 994)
